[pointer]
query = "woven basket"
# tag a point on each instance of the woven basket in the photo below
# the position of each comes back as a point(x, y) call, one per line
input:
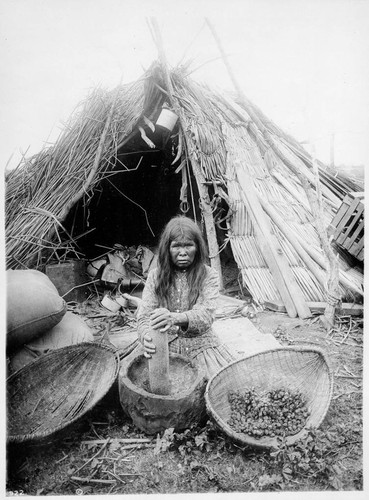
point(298, 369)
point(57, 389)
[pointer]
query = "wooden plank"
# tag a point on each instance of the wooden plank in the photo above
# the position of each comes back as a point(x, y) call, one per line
point(360, 256)
point(347, 216)
point(347, 231)
point(341, 211)
point(351, 309)
point(264, 244)
point(357, 194)
point(285, 281)
point(275, 305)
point(337, 224)
point(357, 247)
point(347, 309)
point(351, 241)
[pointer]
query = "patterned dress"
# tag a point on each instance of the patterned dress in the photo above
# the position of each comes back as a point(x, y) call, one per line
point(197, 341)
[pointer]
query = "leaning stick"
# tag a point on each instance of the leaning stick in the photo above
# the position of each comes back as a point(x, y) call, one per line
point(189, 147)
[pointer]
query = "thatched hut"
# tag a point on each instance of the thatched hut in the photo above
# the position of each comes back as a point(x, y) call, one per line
point(115, 176)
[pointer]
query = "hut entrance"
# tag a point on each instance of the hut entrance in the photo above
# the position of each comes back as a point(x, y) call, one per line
point(132, 203)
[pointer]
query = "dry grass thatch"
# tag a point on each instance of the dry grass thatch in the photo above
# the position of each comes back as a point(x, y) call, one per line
point(217, 134)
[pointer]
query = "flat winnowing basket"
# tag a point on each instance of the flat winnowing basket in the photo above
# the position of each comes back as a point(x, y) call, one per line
point(57, 389)
point(298, 369)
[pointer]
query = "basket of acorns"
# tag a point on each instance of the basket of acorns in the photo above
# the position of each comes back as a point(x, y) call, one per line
point(274, 394)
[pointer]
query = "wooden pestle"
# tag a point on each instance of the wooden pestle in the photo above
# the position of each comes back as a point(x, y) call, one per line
point(159, 364)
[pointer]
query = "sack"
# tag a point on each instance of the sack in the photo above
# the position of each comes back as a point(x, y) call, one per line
point(70, 330)
point(34, 306)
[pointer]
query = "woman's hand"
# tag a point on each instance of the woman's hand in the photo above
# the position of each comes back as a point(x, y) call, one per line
point(148, 345)
point(162, 319)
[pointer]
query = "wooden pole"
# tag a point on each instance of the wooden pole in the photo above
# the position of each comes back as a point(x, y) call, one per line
point(287, 286)
point(332, 150)
point(332, 290)
point(208, 215)
point(199, 176)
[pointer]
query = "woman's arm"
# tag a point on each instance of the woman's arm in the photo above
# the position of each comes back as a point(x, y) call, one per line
point(162, 319)
point(149, 308)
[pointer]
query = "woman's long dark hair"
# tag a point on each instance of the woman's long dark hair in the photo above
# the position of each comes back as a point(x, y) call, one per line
point(177, 229)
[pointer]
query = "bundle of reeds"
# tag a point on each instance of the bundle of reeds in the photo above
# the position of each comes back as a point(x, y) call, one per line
point(282, 206)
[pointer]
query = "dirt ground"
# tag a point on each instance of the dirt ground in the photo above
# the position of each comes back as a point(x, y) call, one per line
point(106, 454)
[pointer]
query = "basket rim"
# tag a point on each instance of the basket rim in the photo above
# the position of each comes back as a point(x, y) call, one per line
point(123, 378)
point(275, 349)
point(269, 442)
point(21, 438)
point(60, 350)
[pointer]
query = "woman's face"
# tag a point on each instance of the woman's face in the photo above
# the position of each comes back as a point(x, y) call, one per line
point(182, 252)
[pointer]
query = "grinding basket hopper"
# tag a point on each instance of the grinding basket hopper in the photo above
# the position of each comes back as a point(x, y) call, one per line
point(57, 389)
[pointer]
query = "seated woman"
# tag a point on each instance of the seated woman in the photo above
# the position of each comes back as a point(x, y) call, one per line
point(180, 297)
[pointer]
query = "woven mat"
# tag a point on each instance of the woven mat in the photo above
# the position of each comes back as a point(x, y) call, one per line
point(239, 333)
point(123, 339)
point(242, 336)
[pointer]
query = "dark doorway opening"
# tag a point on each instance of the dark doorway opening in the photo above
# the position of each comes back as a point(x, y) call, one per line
point(134, 201)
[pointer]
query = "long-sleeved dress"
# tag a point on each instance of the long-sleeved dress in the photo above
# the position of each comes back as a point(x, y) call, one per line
point(197, 341)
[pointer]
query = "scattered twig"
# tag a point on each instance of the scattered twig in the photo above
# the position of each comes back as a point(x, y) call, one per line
point(96, 434)
point(101, 315)
point(79, 286)
point(114, 475)
point(356, 385)
point(137, 446)
point(96, 454)
point(126, 473)
point(117, 440)
point(345, 394)
point(348, 371)
point(350, 344)
point(88, 480)
point(63, 458)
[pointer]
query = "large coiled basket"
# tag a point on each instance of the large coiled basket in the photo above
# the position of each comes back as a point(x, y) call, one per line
point(57, 389)
point(298, 369)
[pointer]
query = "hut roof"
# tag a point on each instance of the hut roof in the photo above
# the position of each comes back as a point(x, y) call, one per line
point(224, 140)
